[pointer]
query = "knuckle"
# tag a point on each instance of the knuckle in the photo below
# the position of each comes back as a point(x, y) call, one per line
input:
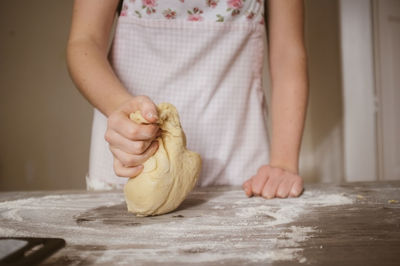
point(145, 131)
point(155, 146)
point(132, 132)
point(257, 181)
point(300, 180)
point(132, 103)
point(117, 170)
point(107, 136)
point(277, 171)
point(263, 170)
point(153, 130)
point(144, 157)
point(130, 160)
point(142, 98)
point(139, 147)
point(112, 120)
point(114, 152)
point(124, 160)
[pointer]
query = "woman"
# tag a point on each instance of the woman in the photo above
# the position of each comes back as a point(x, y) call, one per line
point(206, 58)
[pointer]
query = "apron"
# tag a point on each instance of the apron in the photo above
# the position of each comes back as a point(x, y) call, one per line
point(206, 58)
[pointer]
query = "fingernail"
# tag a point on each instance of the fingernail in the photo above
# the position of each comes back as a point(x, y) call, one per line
point(151, 115)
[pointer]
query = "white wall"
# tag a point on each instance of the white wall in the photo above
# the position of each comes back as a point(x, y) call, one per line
point(358, 90)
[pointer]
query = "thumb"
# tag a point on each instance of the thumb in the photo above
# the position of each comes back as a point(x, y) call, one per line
point(148, 110)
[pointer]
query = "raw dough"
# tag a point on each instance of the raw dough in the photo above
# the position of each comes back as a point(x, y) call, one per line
point(169, 175)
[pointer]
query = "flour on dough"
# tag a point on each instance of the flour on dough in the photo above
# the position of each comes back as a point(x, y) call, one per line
point(169, 175)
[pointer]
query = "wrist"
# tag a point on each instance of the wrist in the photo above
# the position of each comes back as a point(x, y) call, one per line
point(117, 101)
point(291, 166)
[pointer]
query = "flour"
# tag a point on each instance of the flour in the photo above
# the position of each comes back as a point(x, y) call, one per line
point(294, 236)
point(220, 226)
point(60, 202)
point(284, 211)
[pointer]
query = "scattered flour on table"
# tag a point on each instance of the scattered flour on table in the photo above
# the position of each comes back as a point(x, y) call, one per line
point(233, 227)
point(284, 211)
point(62, 202)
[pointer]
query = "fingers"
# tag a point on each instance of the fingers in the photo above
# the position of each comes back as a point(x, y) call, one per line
point(285, 187)
point(297, 188)
point(128, 165)
point(148, 109)
point(130, 143)
point(271, 186)
point(121, 124)
point(133, 147)
point(270, 182)
point(132, 160)
point(259, 180)
point(122, 171)
point(145, 105)
point(247, 188)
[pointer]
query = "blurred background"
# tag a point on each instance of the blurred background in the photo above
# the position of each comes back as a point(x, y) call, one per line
point(352, 128)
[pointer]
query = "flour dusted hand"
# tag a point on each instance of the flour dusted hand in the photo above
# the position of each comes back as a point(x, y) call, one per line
point(169, 175)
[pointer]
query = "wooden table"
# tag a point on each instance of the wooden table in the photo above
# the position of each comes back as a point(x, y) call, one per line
point(349, 224)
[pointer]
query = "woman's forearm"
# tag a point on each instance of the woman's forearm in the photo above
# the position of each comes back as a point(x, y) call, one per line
point(288, 108)
point(93, 75)
point(289, 81)
point(87, 47)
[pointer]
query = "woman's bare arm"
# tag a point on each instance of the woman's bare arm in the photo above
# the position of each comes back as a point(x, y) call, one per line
point(131, 144)
point(87, 49)
point(289, 94)
point(288, 65)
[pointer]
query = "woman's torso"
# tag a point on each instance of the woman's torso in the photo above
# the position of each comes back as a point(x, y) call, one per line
point(206, 58)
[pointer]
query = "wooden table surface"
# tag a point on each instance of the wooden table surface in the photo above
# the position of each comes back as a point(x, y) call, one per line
point(348, 224)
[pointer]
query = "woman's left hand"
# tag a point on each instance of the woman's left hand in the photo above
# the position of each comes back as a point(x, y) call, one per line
point(271, 182)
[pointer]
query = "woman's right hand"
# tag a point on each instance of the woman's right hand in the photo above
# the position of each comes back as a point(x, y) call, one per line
point(130, 143)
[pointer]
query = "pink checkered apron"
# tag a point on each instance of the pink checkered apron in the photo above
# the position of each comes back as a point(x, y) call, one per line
point(206, 58)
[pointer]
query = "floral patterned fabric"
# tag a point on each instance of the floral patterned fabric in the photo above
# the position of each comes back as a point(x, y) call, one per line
point(196, 10)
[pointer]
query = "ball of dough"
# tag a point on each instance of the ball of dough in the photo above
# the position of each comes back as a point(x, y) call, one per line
point(169, 175)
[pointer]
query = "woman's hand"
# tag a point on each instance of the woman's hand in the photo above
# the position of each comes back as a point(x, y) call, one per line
point(132, 144)
point(270, 182)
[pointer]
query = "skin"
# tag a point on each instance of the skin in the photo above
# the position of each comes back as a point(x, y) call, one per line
point(289, 96)
point(132, 144)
